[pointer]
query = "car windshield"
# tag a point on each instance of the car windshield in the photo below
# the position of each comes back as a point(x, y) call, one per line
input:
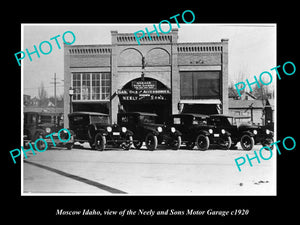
point(99, 119)
point(45, 119)
point(231, 120)
point(147, 119)
point(199, 121)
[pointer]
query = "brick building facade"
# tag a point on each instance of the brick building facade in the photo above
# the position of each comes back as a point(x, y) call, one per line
point(160, 75)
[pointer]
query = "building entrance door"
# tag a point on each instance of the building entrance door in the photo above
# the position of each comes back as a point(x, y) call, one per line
point(146, 95)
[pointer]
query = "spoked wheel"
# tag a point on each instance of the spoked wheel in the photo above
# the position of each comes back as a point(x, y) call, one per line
point(176, 143)
point(40, 144)
point(100, 142)
point(151, 142)
point(202, 142)
point(226, 142)
point(247, 142)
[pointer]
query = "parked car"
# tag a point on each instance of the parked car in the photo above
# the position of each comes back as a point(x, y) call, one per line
point(196, 131)
point(247, 134)
point(95, 128)
point(40, 124)
point(146, 129)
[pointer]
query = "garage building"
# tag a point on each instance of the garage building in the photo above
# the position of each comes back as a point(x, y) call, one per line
point(160, 76)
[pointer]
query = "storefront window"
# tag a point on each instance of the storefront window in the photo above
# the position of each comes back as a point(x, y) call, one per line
point(200, 85)
point(91, 86)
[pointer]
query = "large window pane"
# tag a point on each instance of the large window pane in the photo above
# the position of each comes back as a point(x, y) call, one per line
point(200, 85)
point(91, 86)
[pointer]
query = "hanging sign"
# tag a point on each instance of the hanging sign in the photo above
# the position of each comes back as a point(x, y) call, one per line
point(138, 95)
point(144, 85)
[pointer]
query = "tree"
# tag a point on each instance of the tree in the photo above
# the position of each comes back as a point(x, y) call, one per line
point(42, 94)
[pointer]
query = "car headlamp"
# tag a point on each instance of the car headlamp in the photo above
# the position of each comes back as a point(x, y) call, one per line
point(159, 129)
point(124, 129)
point(267, 131)
point(223, 131)
point(210, 131)
point(255, 132)
point(173, 129)
point(109, 129)
point(48, 129)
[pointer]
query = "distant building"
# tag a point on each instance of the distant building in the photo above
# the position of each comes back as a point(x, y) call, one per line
point(247, 108)
point(26, 99)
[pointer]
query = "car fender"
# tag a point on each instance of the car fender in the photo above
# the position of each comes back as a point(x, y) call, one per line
point(177, 133)
point(227, 133)
point(248, 133)
point(129, 133)
point(204, 132)
point(102, 132)
point(39, 132)
point(152, 131)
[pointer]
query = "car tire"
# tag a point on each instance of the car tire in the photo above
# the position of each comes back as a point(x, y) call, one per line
point(202, 142)
point(151, 142)
point(176, 143)
point(247, 142)
point(40, 144)
point(227, 142)
point(100, 142)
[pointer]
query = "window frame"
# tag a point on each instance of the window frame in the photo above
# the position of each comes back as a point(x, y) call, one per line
point(92, 79)
point(192, 84)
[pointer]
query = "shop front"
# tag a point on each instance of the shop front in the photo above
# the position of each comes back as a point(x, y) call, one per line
point(146, 95)
point(158, 76)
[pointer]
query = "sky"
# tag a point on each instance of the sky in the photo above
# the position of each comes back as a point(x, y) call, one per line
point(252, 47)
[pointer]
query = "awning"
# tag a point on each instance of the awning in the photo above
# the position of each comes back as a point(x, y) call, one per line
point(200, 101)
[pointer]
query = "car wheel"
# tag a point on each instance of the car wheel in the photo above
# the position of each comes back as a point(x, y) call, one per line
point(151, 142)
point(202, 142)
point(40, 144)
point(247, 142)
point(226, 142)
point(100, 142)
point(176, 143)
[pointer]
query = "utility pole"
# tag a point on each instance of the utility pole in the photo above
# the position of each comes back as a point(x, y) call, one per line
point(55, 100)
point(55, 93)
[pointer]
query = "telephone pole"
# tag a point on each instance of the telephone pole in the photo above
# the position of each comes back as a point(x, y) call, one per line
point(55, 82)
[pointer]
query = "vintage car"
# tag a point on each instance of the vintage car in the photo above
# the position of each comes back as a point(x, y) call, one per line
point(40, 124)
point(146, 129)
point(95, 128)
point(196, 131)
point(247, 134)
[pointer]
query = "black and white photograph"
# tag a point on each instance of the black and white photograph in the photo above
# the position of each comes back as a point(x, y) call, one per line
point(149, 112)
point(127, 113)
